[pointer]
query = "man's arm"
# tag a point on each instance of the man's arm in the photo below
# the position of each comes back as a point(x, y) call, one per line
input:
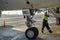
point(48, 15)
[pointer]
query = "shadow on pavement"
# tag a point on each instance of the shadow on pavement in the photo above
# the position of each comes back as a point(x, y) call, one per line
point(7, 33)
point(38, 38)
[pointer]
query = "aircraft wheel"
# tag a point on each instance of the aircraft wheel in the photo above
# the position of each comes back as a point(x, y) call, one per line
point(31, 33)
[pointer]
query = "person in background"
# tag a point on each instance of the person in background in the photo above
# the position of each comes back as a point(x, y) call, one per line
point(45, 23)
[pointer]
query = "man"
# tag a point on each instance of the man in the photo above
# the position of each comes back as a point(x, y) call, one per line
point(45, 23)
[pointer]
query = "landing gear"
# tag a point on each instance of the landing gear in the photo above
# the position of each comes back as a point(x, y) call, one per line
point(31, 33)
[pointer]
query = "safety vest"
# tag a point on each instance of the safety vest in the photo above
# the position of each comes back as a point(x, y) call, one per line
point(45, 17)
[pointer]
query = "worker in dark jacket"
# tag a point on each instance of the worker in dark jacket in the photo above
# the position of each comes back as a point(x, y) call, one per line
point(45, 23)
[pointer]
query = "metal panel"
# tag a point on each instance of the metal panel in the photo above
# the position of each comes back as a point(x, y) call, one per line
point(19, 4)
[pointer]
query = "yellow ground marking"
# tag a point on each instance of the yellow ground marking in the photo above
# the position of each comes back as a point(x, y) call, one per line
point(57, 31)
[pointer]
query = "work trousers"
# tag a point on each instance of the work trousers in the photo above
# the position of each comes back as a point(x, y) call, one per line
point(45, 24)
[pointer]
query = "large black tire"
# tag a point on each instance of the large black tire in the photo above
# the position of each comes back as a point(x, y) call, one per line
point(34, 33)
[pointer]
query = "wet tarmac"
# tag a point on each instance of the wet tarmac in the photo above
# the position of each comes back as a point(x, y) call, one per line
point(15, 30)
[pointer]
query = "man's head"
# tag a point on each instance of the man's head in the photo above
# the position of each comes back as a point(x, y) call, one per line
point(46, 13)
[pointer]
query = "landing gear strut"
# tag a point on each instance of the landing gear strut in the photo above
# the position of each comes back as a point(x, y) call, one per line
point(31, 32)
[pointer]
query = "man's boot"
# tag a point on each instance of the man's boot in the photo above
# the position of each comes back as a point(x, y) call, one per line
point(50, 31)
